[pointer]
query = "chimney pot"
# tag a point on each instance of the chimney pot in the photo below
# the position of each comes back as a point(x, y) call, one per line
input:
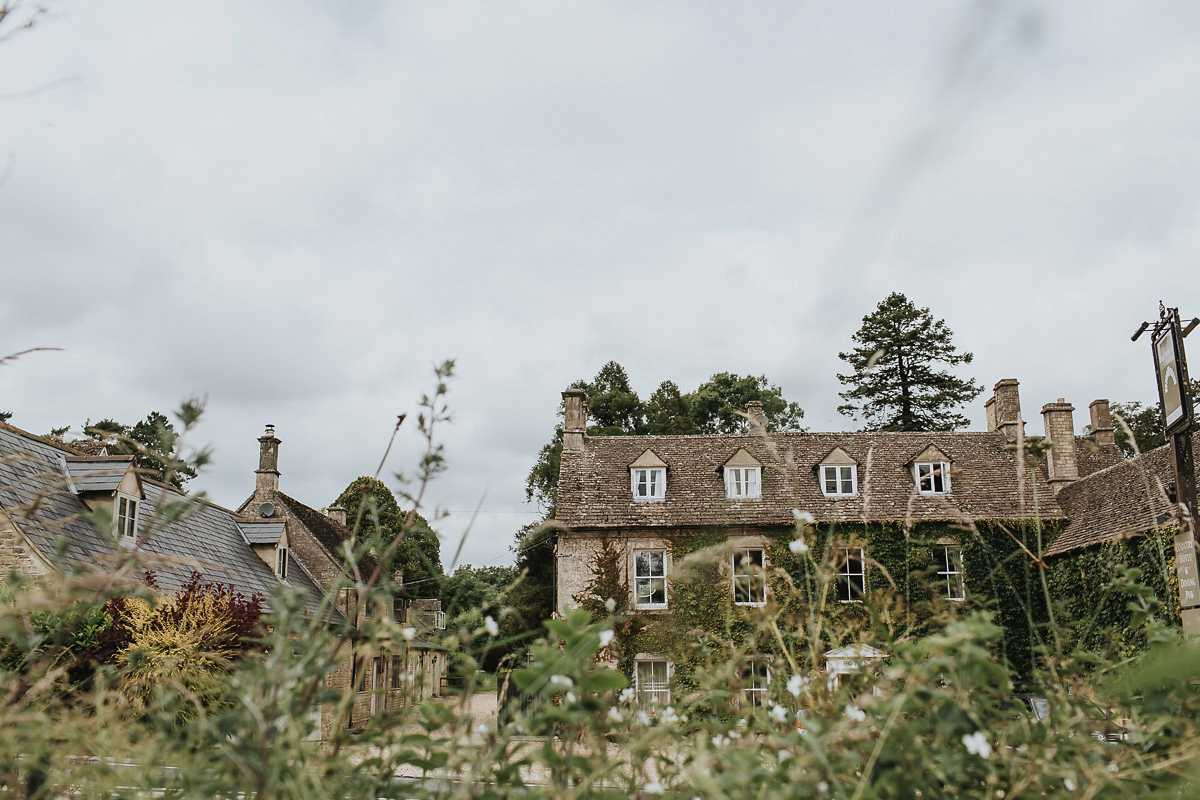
point(266, 477)
point(337, 514)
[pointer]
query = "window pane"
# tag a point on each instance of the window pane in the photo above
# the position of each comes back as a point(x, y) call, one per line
point(831, 480)
point(847, 480)
point(752, 482)
point(652, 683)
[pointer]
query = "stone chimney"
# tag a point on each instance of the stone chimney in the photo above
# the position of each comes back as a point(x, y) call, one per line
point(575, 419)
point(1102, 427)
point(267, 475)
point(1006, 409)
point(1061, 465)
point(337, 514)
point(756, 419)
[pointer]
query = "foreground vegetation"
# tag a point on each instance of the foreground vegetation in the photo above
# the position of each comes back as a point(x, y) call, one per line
point(193, 716)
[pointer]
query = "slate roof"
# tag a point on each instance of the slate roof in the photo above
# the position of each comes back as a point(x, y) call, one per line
point(1120, 501)
point(35, 493)
point(594, 483)
point(261, 532)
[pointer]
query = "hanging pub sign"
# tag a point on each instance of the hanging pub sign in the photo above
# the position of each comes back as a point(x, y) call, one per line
point(1172, 376)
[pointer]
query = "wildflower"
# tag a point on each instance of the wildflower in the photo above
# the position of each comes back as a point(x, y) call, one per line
point(1069, 783)
point(798, 546)
point(605, 638)
point(977, 744)
point(614, 715)
point(855, 714)
point(1112, 766)
point(784, 755)
point(492, 628)
point(669, 715)
point(720, 741)
point(561, 680)
point(610, 605)
point(408, 633)
point(653, 787)
point(627, 695)
point(642, 718)
point(481, 729)
point(778, 713)
point(571, 697)
point(822, 787)
point(795, 684)
point(803, 516)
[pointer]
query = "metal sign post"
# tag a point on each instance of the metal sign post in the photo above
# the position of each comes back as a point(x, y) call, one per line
point(1175, 403)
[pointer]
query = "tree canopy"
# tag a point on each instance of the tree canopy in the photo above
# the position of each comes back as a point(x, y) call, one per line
point(372, 510)
point(895, 385)
point(150, 441)
point(1145, 422)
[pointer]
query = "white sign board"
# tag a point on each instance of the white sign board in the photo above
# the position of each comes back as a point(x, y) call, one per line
point(1185, 567)
point(1168, 376)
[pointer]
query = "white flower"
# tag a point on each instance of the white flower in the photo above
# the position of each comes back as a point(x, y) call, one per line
point(779, 713)
point(610, 605)
point(1069, 783)
point(606, 637)
point(784, 755)
point(822, 787)
point(653, 787)
point(1112, 766)
point(642, 718)
point(561, 680)
point(571, 697)
point(627, 695)
point(481, 729)
point(977, 744)
point(492, 627)
point(798, 546)
point(615, 716)
point(720, 741)
point(803, 516)
point(408, 633)
point(669, 716)
point(855, 714)
point(795, 684)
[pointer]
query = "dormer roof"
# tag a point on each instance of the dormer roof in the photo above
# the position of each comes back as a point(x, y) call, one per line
point(648, 459)
point(741, 459)
point(931, 453)
point(102, 474)
point(264, 532)
point(838, 456)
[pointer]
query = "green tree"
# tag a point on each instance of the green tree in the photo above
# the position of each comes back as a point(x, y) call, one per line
point(719, 404)
point(1144, 422)
point(372, 511)
point(668, 412)
point(476, 588)
point(5, 416)
point(614, 408)
point(895, 385)
point(533, 597)
point(151, 442)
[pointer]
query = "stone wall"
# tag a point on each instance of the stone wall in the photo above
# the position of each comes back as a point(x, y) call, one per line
point(15, 553)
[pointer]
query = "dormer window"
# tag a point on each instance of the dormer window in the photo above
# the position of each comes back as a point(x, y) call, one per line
point(742, 483)
point(838, 474)
point(743, 476)
point(933, 477)
point(649, 484)
point(648, 478)
point(126, 509)
point(281, 562)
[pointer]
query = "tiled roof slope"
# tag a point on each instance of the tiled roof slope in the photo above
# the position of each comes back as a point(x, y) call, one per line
point(329, 533)
point(34, 493)
point(1092, 457)
point(97, 474)
point(594, 489)
point(1123, 500)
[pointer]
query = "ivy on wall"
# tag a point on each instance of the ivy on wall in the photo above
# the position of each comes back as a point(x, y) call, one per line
point(904, 598)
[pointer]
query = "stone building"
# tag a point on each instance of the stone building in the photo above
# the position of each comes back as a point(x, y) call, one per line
point(943, 506)
point(46, 488)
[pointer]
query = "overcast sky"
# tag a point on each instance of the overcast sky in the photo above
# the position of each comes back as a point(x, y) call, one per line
point(297, 208)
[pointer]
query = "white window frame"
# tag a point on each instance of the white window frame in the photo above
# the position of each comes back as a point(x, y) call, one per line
point(950, 571)
point(842, 474)
point(747, 575)
point(281, 560)
point(928, 473)
point(439, 620)
point(653, 691)
point(756, 679)
point(125, 514)
point(743, 483)
point(649, 578)
point(846, 559)
point(653, 482)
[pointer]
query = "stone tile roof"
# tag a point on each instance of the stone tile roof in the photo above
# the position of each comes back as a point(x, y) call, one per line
point(1120, 501)
point(594, 484)
point(35, 494)
point(329, 533)
point(1093, 457)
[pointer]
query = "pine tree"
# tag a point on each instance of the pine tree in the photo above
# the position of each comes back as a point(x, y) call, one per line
point(895, 386)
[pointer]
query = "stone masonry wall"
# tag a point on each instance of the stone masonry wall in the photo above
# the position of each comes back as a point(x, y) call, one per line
point(15, 555)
